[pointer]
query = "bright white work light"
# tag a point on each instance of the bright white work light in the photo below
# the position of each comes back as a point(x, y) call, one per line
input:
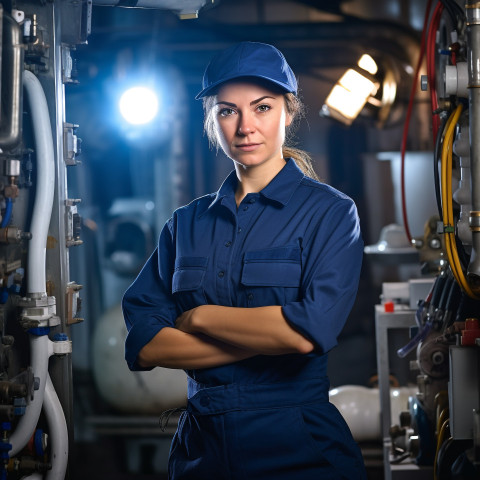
point(363, 84)
point(139, 105)
point(349, 96)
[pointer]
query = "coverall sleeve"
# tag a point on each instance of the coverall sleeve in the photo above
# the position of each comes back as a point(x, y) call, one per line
point(148, 305)
point(332, 259)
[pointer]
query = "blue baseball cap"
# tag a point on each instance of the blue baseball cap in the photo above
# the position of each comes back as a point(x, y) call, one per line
point(248, 59)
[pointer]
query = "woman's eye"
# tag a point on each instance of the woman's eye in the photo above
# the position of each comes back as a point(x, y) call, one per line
point(264, 108)
point(225, 112)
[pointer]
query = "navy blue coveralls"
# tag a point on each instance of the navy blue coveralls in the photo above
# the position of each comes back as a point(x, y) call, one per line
point(297, 244)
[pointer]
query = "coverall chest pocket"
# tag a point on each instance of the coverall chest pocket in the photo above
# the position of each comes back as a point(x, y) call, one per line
point(188, 282)
point(272, 276)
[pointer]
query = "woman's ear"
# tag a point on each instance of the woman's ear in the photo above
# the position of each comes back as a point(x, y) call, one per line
point(288, 119)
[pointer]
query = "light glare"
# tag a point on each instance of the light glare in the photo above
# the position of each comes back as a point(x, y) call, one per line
point(345, 102)
point(350, 94)
point(138, 105)
point(357, 83)
point(368, 64)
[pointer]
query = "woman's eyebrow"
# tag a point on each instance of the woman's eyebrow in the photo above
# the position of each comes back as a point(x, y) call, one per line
point(226, 103)
point(253, 102)
point(260, 99)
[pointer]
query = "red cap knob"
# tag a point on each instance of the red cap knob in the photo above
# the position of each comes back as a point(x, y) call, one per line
point(389, 307)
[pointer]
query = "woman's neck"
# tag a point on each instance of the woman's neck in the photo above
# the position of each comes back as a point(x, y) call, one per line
point(256, 178)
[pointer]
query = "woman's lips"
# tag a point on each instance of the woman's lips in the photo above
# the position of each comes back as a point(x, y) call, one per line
point(248, 147)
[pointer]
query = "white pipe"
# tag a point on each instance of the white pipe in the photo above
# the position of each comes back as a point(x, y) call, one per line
point(41, 346)
point(39, 351)
point(58, 433)
point(45, 186)
point(42, 210)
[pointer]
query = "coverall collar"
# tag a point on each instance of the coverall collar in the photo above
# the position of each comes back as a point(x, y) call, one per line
point(279, 190)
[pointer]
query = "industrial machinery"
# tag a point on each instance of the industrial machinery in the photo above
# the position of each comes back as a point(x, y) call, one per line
point(439, 432)
point(39, 224)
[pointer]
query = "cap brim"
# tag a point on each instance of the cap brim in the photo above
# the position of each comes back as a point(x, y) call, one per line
point(211, 88)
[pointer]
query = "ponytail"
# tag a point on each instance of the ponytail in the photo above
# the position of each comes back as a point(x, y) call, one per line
point(296, 110)
point(302, 159)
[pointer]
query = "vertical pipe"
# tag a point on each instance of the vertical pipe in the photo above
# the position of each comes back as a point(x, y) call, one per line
point(45, 187)
point(36, 286)
point(12, 68)
point(473, 60)
point(57, 426)
point(28, 421)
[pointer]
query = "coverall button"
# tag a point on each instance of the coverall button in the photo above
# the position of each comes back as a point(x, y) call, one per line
point(252, 200)
point(221, 274)
point(204, 401)
point(239, 229)
point(250, 296)
point(245, 209)
point(227, 244)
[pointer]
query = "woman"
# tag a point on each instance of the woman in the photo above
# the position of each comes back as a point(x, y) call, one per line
point(248, 290)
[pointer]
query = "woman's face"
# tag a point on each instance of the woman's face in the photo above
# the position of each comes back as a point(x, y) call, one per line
point(250, 123)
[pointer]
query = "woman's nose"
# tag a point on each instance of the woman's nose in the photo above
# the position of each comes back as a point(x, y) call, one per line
point(246, 125)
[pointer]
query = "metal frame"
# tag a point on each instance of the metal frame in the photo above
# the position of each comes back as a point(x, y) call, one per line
point(399, 319)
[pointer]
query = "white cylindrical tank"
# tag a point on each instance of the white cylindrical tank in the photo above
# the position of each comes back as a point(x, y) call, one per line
point(360, 407)
point(136, 393)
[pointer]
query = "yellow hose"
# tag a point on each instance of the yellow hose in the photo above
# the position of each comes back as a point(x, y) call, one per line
point(448, 219)
point(444, 430)
point(441, 419)
point(449, 127)
point(447, 193)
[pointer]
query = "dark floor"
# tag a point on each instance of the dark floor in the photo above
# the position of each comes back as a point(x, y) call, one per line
point(106, 460)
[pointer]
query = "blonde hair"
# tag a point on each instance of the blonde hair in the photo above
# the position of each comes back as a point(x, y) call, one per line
point(293, 106)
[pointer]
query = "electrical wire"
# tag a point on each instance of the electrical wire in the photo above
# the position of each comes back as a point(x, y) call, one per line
point(407, 120)
point(444, 430)
point(448, 219)
point(458, 10)
point(462, 254)
point(451, 11)
point(442, 304)
point(431, 50)
point(453, 302)
point(447, 192)
point(436, 164)
point(437, 155)
point(425, 310)
point(444, 415)
point(8, 212)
